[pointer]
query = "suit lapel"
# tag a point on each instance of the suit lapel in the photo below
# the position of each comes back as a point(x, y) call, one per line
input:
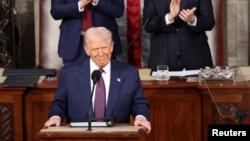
point(162, 6)
point(84, 84)
point(115, 86)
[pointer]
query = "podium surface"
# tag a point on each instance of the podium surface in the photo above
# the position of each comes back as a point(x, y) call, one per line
point(116, 133)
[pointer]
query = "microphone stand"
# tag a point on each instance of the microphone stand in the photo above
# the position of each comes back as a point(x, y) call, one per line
point(91, 109)
point(95, 77)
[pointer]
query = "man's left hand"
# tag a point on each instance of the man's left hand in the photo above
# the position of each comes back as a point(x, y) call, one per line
point(141, 121)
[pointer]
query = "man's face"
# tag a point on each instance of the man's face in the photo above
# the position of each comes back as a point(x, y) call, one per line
point(100, 51)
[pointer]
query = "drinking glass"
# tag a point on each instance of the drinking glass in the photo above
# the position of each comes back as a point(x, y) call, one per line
point(162, 72)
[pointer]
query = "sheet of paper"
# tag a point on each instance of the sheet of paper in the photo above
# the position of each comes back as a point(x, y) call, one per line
point(85, 124)
point(180, 73)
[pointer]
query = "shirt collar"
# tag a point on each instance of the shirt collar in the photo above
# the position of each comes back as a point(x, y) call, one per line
point(93, 67)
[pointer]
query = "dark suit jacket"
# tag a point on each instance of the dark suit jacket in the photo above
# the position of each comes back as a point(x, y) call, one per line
point(72, 99)
point(166, 40)
point(104, 14)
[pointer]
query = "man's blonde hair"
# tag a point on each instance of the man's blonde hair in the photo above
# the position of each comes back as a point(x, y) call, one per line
point(97, 32)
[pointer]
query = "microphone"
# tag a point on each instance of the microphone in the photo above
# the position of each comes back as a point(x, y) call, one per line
point(144, 25)
point(96, 75)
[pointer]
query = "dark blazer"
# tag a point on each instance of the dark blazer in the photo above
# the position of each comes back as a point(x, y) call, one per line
point(168, 40)
point(72, 98)
point(104, 14)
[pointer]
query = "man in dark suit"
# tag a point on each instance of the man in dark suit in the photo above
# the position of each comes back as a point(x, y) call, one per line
point(178, 33)
point(104, 13)
point(124, 94)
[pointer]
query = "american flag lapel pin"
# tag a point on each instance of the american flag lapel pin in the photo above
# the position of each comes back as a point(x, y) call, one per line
point(118, 80)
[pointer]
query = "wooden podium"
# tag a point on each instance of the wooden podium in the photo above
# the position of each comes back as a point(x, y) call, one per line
point(122, 132)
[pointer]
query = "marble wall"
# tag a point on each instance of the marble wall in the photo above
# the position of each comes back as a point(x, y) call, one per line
point(236, 31)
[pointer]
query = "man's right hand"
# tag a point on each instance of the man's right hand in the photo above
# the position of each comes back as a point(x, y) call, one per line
point(55, 120)
point(174, 9)
point(83, 3)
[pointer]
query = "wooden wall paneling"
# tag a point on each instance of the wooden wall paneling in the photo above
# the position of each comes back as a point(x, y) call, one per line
point(221, 100)
point(37, 105)
point(175, 112)
point(11, 113)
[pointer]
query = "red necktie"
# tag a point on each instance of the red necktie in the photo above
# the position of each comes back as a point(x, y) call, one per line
point(100, 98)
point(87, 18)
